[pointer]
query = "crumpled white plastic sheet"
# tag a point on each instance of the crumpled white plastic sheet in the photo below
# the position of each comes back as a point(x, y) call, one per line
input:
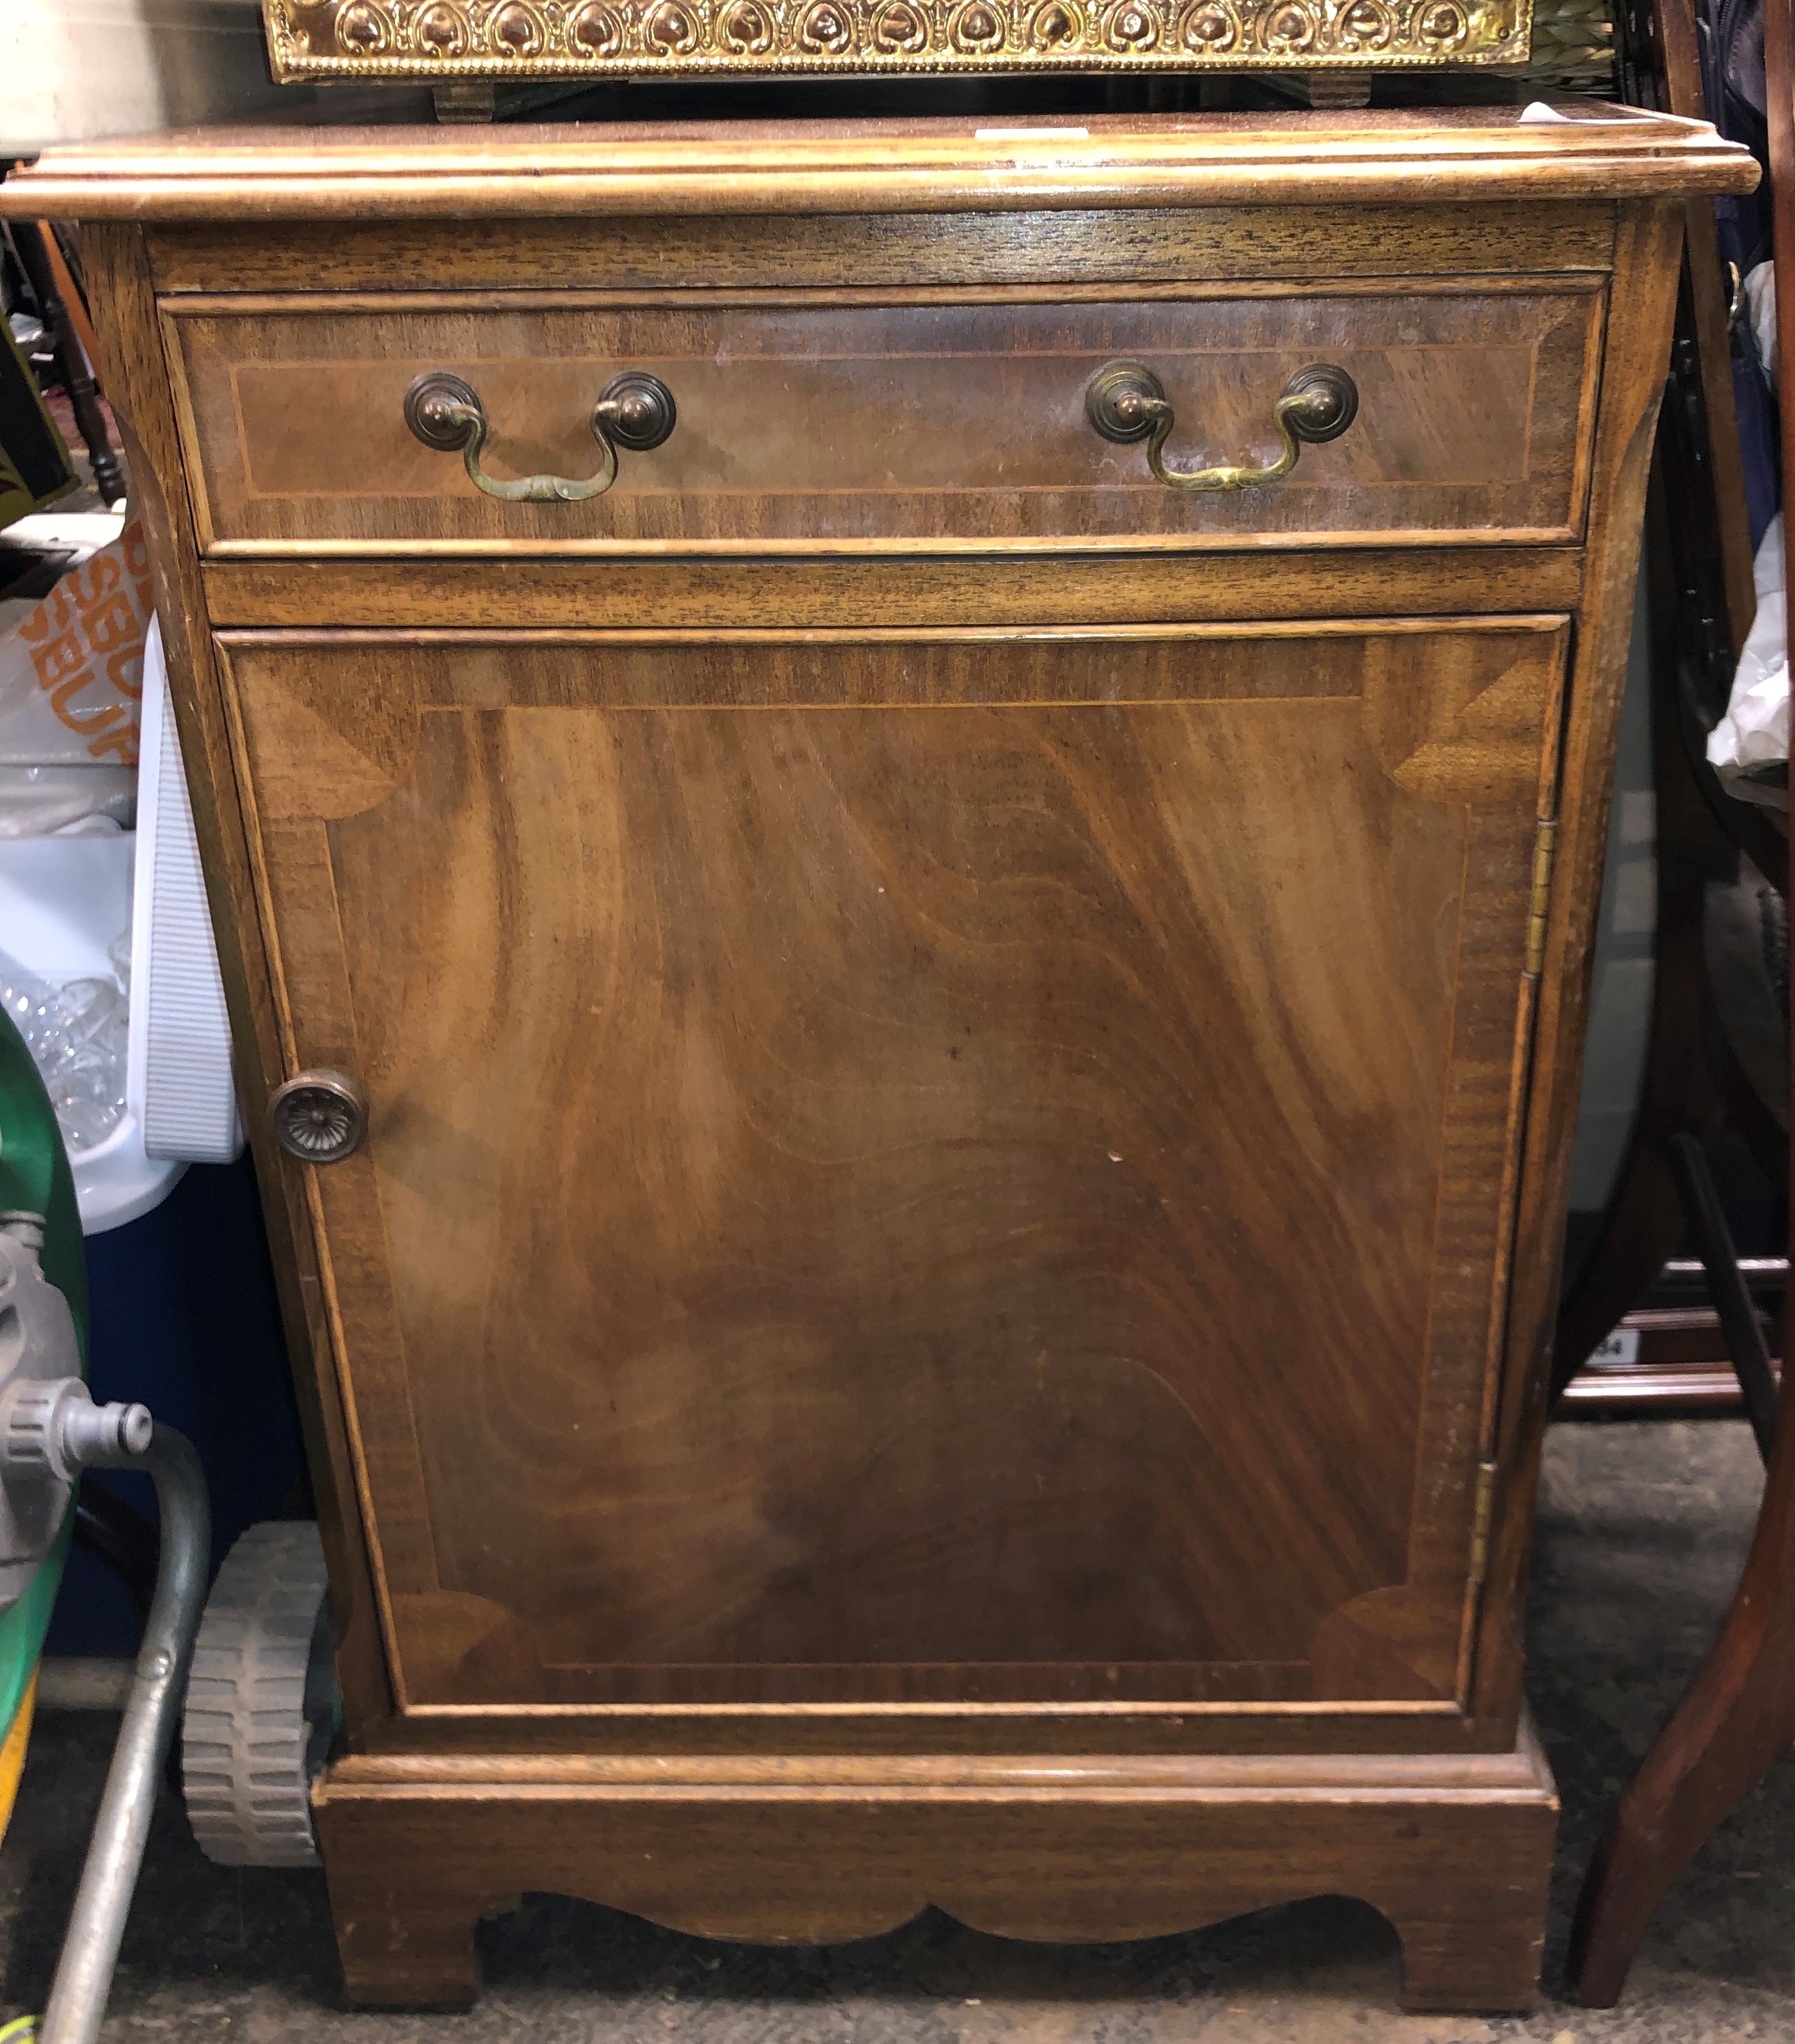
point(1753, 734)
point(1760, 307)
point(71, 675)
point(76, 1030)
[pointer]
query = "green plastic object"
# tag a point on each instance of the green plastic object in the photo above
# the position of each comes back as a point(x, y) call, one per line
point(35, 1176)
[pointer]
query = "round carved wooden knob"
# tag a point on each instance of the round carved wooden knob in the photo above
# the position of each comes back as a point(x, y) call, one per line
point(320, 1117)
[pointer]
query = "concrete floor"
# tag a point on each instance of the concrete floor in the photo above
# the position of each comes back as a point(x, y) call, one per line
point(1641, 1532)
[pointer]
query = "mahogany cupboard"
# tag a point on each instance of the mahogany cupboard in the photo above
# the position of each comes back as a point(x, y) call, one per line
point(922, 809)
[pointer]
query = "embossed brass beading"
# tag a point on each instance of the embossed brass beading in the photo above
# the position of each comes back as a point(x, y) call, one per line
point(425, 40)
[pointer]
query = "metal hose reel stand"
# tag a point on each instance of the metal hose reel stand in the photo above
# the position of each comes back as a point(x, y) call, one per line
point(50, 1430)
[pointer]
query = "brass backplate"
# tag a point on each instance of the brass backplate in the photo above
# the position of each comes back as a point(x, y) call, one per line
point(423, 41)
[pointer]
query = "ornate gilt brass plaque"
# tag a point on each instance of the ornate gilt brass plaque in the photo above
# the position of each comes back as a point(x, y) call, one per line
point(426, 40)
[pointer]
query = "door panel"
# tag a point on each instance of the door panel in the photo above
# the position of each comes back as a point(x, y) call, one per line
point(914, 1167)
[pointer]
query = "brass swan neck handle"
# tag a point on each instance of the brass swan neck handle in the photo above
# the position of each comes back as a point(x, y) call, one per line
point(634, 410)
point(1126, 401)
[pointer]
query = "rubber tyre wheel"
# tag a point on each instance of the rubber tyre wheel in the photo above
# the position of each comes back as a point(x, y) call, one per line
point(261, 1701)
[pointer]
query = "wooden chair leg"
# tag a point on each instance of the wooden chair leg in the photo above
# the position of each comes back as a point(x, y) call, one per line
point(1739, 1716)
point(1739, 1323)
point(1645, 1221)
point(32, 242)
point(1737, 1719)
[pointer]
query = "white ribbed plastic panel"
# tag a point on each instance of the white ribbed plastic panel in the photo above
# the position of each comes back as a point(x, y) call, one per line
point(178, 1077)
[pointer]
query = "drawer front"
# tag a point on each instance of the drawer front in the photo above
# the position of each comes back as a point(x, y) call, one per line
point(807, 425)
point(914, 1167)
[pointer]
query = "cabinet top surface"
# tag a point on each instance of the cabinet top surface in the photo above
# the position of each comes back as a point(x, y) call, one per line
point(1582, 149)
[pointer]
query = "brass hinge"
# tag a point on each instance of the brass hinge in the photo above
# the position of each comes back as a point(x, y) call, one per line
point(1545, 844)
point(1482, 1511)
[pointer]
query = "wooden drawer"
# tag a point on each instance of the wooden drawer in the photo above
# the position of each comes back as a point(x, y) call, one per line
point(959, 424)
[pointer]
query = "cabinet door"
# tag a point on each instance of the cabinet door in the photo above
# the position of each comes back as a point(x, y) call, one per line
point(914, 1167)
